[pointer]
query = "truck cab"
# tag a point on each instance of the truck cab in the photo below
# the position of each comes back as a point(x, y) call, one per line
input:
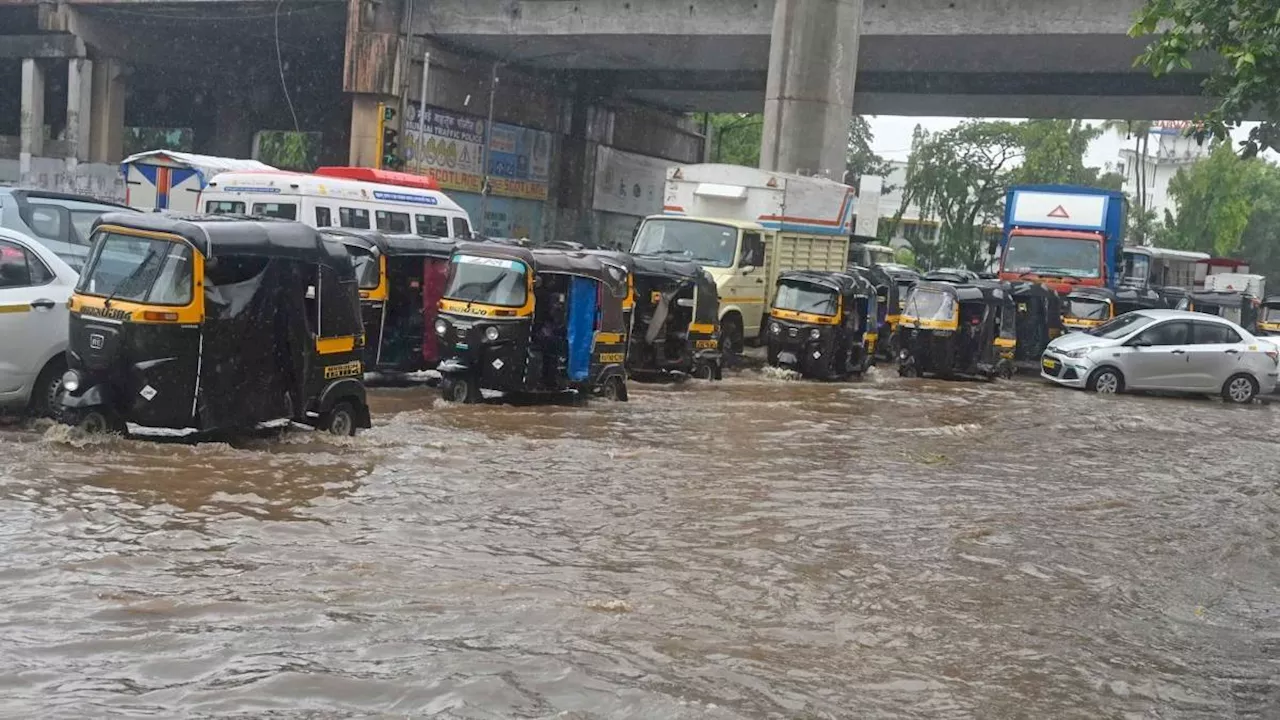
point(732, 251)
point(1063, 236)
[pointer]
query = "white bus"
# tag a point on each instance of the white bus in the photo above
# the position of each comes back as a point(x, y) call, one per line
point(349, 197)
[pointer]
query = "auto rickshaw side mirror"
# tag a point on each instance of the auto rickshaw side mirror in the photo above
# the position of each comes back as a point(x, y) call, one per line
point(685, 302)
point(311, 292)
point(991, 246)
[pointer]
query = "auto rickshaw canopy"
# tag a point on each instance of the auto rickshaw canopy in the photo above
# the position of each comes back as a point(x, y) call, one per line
point(394, 245)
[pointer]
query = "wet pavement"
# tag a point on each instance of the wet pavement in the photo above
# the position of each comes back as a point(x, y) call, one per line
point(757, 548)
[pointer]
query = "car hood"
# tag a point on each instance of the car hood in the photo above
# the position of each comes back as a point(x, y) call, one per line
point(1074, 340)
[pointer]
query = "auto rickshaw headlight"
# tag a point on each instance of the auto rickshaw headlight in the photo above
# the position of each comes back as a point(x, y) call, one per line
point(814, 334)
point(491, 333)
point(71, 381)
point(775, 328)
point(442, 327)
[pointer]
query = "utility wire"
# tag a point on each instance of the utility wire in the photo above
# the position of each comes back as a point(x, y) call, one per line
point(280, 65)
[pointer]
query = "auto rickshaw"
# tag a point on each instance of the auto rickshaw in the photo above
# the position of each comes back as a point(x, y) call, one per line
point(1039, 321)
point(1269, 316)
point(967, 329)
point(822, 324)
point(401, 278)
point(956, 276)
point(1089, 307)
point(214, 323)
point(892, 283)
point(1239, 307)
point(532, 321)
point(675, 328)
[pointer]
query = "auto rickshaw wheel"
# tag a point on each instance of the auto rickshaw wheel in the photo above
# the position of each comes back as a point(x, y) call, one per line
point(459, 389)
point(100, 422)
point(704, 372)
point(340, 420)
point(614, 389)
point(731, 343)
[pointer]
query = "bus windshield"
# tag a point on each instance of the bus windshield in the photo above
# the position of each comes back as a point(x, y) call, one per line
point(806, 298)
point(706, 243)
point(137, 269)
point(1038, 254)
point(491, 281)
point(929, 305)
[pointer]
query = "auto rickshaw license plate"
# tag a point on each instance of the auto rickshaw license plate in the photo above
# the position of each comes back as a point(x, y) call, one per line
point(704, 344)
point(1049, 364)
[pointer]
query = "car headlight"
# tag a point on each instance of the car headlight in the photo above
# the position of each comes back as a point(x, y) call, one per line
point(1078, 352)
point(814, 334)
point(491, 333)
point(71, 381)
point(775, 328)
point(442, 327)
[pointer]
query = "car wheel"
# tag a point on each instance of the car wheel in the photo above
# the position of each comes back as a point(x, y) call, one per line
point(47, 392)
point(1106, 381)
point(341, 420)
point(1240, 389)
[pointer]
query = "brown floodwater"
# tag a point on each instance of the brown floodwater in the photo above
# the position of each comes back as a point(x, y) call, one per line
point(756, 548)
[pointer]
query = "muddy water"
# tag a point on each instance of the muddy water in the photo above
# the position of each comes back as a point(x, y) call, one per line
point(757, 548)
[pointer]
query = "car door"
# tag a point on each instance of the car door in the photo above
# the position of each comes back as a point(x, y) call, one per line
point(1216, 353)
point(33, 317)
point(1156, 358)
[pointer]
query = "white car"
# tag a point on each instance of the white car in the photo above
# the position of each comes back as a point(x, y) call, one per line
point(1166, 350)
point(35, 285)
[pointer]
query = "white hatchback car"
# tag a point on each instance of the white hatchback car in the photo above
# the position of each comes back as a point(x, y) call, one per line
point(1167, 350)
point(35, 285)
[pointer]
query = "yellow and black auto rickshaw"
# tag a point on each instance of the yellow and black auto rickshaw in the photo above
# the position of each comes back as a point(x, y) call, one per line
point(401, 280)
point(822, 324)
point(1240, 308)
point(1039, 321)
point(892, 283)
point(1269, 316)
point(532, 321)
point(968, 329)
point(214, 323)
point(675, 324)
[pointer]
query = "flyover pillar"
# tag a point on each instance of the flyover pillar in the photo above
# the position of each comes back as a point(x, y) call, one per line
point(813, 60)
point(105, 128)
point(79, 111)
point(31, 119)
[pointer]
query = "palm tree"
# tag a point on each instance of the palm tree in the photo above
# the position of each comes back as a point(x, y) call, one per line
point(1140, 132)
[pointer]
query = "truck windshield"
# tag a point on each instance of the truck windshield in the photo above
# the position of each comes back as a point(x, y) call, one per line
point(929, 305)
point(1088, 309)
point(491, 281)
point(1072, 257)
point(806, 298)
point(1136, 269)
point(138, 269)
point(709, 244)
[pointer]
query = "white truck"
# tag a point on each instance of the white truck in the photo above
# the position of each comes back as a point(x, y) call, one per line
point(168, 180)
point(745, 226)
point(1236, 282)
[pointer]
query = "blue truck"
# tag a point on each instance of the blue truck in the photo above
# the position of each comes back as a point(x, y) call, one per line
point(1064, 236)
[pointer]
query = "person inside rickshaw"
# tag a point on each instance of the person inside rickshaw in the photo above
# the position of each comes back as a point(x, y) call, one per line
point(971, 314)
point(404, 323)
point(549, 347)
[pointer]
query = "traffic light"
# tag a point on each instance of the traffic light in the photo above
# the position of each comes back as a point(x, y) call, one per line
point(391, 159)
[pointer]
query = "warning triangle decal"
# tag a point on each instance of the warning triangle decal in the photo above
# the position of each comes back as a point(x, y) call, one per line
point(1059, 212)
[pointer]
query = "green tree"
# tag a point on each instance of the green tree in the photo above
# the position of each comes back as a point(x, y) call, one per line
point(904, 256)
point(1215, 199)
point(736, 137)
point(959, 176)
point(1260, 242)
point(1243, 34)
point(1054, 150)
point(861, 160)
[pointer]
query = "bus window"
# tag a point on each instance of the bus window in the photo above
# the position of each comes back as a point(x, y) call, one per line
point(392, 221)
point(224, 207)
point(433, 225)
point(323, 217)
point(353, 218)
point(283, 211)
point(461, 228)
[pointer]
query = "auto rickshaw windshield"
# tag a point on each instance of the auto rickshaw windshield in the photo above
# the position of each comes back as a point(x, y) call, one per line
point(1270, 314)
point(904, 288)
point(806, 298)
point(368, 269)
point(485, 280)
point(138, 269)
point(927, 304)
point(1088, 309)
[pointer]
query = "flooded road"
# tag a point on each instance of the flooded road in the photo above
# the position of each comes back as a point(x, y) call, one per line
point(755, 548)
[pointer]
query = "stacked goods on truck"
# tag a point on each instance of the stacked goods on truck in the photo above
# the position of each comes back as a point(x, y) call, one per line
point(1062, 235)
point(747, 226)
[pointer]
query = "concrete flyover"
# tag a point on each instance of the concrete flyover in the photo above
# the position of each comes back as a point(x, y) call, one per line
point(995, 58)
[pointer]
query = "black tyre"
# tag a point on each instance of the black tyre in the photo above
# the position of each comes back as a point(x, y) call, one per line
point(1240, 389)
point(731, 343)
point(46, 395)
point(340, 420)
point(704, 371)
point(460, 389)
point(1106, 381)
point(614, 389)
point(100, 422)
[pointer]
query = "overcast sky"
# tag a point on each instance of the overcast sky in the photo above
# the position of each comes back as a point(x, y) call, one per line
point(892, 137)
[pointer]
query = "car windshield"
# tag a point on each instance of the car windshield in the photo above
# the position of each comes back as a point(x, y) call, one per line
point(492, 281)
point(1121, 326)
point(702, 242)
point(1088, 309)
point(139, 269)
point(806, 298)
point(927, 304)
point(1071, 257)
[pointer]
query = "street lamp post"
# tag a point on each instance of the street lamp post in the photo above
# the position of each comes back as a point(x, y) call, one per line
point(488, 138)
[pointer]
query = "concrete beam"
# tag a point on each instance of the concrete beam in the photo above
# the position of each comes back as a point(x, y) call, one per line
point(52, 45)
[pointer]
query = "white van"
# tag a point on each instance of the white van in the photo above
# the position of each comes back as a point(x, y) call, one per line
point(349, 197)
